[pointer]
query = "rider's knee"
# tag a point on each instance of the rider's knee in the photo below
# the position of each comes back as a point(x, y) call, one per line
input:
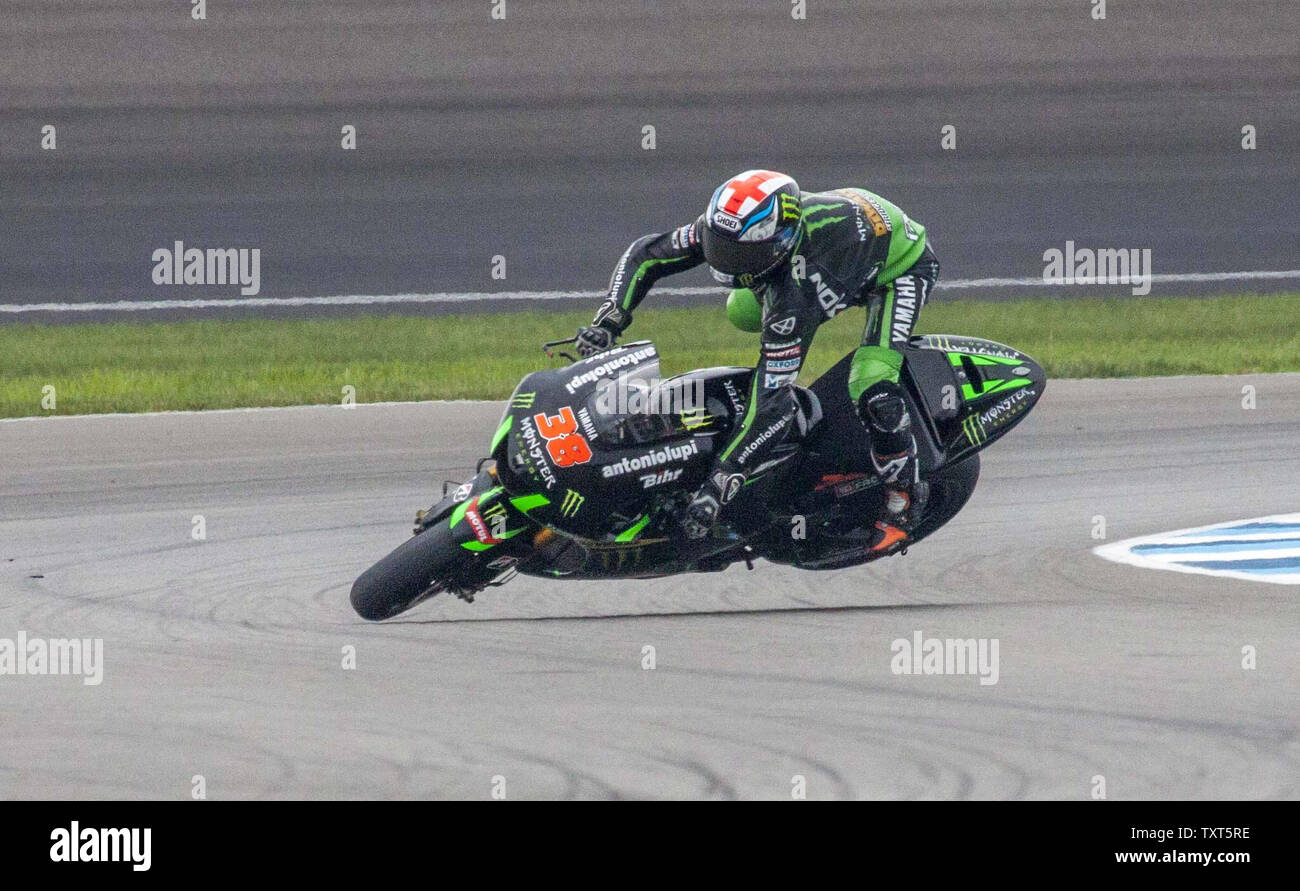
point(871, 364)
point(873, 384)
point(885, 408)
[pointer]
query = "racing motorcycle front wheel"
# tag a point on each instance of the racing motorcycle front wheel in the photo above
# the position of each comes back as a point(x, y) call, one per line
point(430, 563)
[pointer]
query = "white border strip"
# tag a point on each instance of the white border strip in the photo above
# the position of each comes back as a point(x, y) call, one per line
point(1121, 552)
point(256, 408)
point(210, 411)
point(488, 296)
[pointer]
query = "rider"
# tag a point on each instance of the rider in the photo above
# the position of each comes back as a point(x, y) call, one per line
point(803, 257)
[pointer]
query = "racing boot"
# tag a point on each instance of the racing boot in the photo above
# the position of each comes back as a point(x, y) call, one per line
point(903, 510)
point(893, 456)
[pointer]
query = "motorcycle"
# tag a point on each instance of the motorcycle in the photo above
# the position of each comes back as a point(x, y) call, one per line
point(591, 464)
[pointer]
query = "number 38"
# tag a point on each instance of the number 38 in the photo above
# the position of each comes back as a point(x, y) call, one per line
point(564, 444)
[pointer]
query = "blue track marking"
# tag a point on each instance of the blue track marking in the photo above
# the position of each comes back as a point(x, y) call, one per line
point(1263, 549)
point(1246, 528)
point(1271, 564)
point(1194, 547)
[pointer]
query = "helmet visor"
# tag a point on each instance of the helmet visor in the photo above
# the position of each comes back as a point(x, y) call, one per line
point(741, 257)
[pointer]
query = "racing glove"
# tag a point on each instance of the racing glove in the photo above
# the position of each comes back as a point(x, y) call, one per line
point(594, 339)
point(701, 514)
point(609, 323)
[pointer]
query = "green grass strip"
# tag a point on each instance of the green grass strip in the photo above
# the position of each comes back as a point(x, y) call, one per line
point(133, 367)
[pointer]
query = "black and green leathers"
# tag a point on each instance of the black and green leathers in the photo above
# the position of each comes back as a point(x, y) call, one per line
point(855, 249)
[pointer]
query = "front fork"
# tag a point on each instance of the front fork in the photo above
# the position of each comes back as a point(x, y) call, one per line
point(489, 525)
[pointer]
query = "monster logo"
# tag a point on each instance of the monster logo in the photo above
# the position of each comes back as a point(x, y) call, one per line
point(572, 503)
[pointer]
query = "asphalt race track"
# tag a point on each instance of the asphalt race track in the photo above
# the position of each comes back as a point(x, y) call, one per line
point(523, 137)
point(222, 657)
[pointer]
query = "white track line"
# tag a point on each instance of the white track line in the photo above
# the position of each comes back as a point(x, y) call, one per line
point(501, 402)
point(260, 408)
point(488, 296)
point(498, 402)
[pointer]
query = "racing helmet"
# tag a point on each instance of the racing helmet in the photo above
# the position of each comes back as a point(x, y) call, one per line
point(751, 226)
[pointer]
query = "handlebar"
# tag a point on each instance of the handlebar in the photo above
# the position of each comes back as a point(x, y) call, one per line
point(551, 354)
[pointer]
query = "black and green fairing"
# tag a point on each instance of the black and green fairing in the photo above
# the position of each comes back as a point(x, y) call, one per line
point(982, 391)
point(605, 497)
point(965, 393)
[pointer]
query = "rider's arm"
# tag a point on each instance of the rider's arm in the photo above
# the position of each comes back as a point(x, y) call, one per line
point(647, 260)
point(771, 412)
point(788, 328)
